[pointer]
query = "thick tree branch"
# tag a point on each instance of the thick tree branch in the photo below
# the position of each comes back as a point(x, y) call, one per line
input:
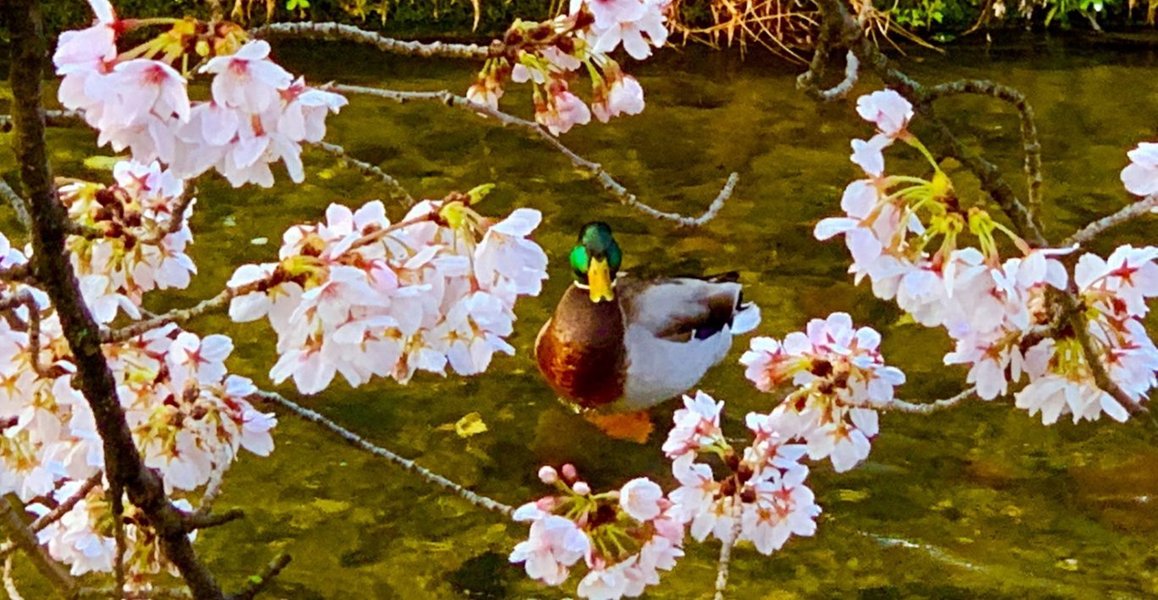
point(408, 465)
point(1140, 208)
point(396, 189)
point(54, 272)
point(1031, 147)
point(595, 169)
point(340, 32)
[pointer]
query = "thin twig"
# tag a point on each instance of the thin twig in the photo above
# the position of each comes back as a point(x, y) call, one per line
point(260, 581)
point(408, 465)
point(338, 31)
point(726, 559)
point(1031, 146)
point(1133, 211)
point(396, 189)
point(595, 169)
point(52, 118)
point(9, 583)
point(18, 204)
point(1080, 325)
point(838, 91)
point(200, 520)
point(180, 315)
point(24, 298)
point(926, 408)
point(62, 509)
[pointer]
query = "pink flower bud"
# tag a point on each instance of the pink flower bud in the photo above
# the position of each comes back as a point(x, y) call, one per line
point(548, 474)
point(569, 472)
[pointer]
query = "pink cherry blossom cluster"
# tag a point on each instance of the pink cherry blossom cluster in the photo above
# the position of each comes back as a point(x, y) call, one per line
point(550, 55)
point(189, 417)
point(625, 537)
point(841, 380)
point(258, 114)
point(996, 310)
point(360, 296)
point(763, 493)
point(1113, 293)
point(83, 537)
point(141, 242)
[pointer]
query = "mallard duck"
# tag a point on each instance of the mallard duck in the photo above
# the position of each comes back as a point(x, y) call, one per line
point(617, 346)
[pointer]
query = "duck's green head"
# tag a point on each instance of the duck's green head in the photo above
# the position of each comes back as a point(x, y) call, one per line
point(596, 260)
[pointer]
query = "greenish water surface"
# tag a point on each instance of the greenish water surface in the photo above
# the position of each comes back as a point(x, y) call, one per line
point(979, 501)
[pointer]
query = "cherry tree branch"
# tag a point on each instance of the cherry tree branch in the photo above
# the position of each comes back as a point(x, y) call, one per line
point(349, 33)
point(52, 118)
point(726, 559)
point(61, 509)
point(180, 315)
point(18, 204)
point(396, 188)
point(1133, 211)
point(595, 169)
point(927, 408)
point(837, 92)
point(9, 583)
point(405, 463)
point(1031, 146)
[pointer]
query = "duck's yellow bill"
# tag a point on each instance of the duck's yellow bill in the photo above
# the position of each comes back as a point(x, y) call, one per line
point(599, 280)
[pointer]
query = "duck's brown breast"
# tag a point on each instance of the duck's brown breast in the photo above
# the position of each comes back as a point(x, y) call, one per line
point(580, 350)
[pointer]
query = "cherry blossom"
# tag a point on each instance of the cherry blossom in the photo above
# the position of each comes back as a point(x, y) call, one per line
point(258, 115)
point(841, 378)
point(1141, 176)
point(888, 110)
point(764, 493)
point(624, 537)
point(358, 296)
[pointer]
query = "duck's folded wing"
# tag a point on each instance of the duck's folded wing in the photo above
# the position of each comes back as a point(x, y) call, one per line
point(682, 309)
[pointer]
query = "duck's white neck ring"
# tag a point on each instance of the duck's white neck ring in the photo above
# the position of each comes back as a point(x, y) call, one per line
point(584, 286)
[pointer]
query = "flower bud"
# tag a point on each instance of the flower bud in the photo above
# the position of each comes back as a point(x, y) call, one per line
point(548, 474)
point(581, 488)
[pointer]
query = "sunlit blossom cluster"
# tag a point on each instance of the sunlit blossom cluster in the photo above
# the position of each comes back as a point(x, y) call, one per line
point(759, 492)
point(189, 417)
point(360, 296)
point(1113, 293)
point(137, 243)
point(624, 537)
point(997, 309)
point(552, 55)
point(258, 114)
point(83, 537)
point(841, 380)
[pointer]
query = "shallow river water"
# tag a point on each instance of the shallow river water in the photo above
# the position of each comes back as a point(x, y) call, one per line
point(979, 501)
